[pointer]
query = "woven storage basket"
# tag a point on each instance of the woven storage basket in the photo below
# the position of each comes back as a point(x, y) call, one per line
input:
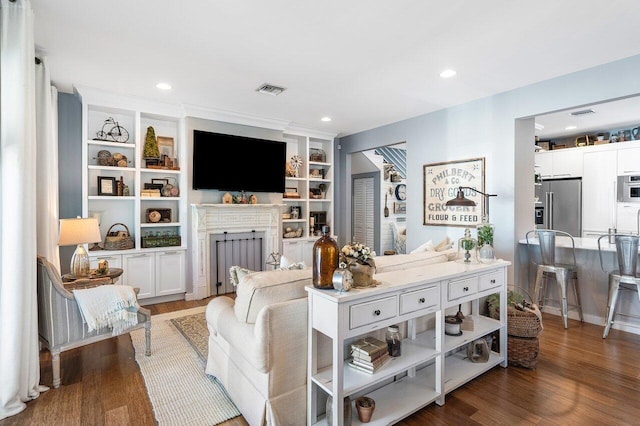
point(523, 351)
point(522, 324)
point(123, 241)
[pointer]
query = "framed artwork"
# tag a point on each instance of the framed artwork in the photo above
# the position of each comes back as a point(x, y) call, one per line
point(165, 146)
point(107, 185)
point(441, 182)
point(399, 208)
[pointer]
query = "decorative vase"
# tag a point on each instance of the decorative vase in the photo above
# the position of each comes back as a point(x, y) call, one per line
point(365, 407)
point(362, 274)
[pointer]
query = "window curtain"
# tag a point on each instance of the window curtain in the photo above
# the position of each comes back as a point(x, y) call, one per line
point(19, 362)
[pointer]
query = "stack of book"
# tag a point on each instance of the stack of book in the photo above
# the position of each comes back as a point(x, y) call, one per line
point(368, 354)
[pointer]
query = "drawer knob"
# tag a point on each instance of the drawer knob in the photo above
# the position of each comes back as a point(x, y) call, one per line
point(421, 300)
point(466, 289)
point(376, 312)
point(493, 281)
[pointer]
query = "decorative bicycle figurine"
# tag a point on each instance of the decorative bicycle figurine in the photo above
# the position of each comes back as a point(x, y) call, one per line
point(116, 132)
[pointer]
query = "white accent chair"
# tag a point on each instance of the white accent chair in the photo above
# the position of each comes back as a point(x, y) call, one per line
point(60, 323)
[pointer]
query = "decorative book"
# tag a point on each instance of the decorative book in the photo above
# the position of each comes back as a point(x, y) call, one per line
point(368, 347)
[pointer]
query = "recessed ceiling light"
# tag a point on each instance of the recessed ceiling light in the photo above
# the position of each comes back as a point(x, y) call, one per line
point(163, 86)
point(325, 119)
point(571, 127)
point(447, 73)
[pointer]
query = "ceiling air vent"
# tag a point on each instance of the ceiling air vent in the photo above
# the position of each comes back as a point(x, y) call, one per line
point(582, 112)
point(270, 89)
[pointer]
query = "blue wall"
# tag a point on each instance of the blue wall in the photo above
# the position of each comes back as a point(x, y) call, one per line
point(499, 128)
point(69, 165)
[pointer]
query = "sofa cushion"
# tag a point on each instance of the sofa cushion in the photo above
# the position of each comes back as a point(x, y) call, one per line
point(404, 261)
point(260, 289)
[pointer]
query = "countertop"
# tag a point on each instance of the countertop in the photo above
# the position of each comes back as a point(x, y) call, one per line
point(581, 243)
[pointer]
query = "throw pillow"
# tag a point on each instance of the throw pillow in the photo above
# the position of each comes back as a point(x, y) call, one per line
point(236, 273)
point(428, 246)
point(445, 244)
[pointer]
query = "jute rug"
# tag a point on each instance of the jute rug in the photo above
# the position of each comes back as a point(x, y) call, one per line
point(180, 391)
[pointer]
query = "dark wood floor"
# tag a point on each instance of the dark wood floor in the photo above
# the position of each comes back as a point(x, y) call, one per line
point(580, 379)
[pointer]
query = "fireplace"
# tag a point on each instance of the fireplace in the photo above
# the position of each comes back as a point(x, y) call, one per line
point(212, 223)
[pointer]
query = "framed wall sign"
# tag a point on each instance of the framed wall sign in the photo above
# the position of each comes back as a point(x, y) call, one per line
point(441, 182)
point(107, 185)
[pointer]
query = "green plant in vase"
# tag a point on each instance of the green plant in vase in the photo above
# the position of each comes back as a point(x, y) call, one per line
point(485, 234)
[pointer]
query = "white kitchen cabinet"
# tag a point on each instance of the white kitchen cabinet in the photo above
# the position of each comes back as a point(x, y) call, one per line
point(563, 163)
point(629, 161)
point(627, 217)
point(432, 364)
point(599, 192)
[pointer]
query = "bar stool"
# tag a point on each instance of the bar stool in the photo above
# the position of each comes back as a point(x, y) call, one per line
point(562, 273)
point(624, 278)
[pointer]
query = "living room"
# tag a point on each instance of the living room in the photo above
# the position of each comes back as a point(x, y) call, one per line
point(494, 124)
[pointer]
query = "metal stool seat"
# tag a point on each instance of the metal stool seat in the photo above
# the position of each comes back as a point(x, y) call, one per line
point(564, 274)
point(624, 278)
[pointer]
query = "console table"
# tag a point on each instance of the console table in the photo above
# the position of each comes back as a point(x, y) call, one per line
point(432, 363)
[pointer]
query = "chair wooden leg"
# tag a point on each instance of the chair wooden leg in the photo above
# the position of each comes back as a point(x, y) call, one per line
point(611, 305)
point(55, 367)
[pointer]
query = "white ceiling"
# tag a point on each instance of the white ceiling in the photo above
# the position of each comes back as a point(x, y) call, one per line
point(365, 63)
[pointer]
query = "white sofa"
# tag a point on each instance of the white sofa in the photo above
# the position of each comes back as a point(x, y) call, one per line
point(258, 342)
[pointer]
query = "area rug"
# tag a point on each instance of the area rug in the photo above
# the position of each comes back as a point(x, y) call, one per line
point(194, 329)
point(180, 391)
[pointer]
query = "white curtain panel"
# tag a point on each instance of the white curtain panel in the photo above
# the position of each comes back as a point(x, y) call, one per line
point(19, 366)
point(47, 164)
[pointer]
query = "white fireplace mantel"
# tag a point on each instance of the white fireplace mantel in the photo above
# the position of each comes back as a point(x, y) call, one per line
point(208, 219)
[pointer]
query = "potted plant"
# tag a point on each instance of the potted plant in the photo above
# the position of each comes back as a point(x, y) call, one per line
point(365, 407)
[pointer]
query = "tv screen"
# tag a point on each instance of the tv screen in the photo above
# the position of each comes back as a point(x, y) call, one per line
point(237, 163)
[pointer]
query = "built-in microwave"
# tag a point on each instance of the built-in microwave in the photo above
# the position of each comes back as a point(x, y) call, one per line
point(629, 189)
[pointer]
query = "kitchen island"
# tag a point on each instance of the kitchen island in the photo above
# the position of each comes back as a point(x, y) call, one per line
point(593, 282)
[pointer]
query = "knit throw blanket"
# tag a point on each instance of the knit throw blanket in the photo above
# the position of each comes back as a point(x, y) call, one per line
point(113, 306)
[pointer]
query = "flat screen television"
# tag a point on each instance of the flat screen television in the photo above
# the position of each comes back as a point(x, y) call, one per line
point(237, 163)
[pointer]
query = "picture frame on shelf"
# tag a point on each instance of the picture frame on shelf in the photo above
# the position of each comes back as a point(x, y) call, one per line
point(296, 212)
point(159, 181)
point(157, 186)
point(165, 146)
point(107, 186)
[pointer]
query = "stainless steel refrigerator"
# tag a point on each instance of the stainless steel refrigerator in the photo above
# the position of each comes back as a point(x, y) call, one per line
point(561, 207)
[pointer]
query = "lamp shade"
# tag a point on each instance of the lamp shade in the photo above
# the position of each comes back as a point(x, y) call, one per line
point(460, 200)
point(79, 231)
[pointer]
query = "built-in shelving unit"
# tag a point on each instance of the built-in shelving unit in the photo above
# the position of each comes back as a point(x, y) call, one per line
point(314, 185)
point(157, 265)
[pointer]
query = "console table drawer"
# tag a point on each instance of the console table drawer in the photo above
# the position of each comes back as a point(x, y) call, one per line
point(466, 287)
point(494, 279)
point(427, 299)
point(374, 311)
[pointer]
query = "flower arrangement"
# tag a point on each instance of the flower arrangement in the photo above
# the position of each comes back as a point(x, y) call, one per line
point(357, 253)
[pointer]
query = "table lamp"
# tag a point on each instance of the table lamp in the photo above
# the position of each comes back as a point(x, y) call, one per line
point(79, 231)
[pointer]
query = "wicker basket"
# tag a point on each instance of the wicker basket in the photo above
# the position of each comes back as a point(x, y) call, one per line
point(523, 351)
point(118, 240)
point(522, 323)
